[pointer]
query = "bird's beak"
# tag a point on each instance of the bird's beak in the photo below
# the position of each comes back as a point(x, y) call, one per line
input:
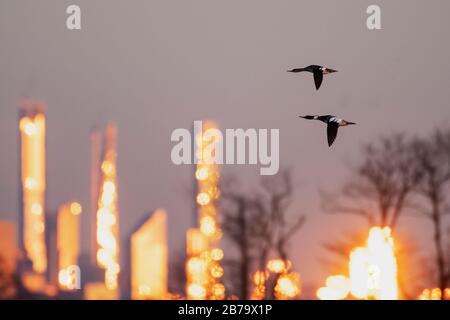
point(348, 122)
point(332, 70)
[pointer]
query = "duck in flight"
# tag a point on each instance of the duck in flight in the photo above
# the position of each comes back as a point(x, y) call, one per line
point(317, 71)
point(333, 124)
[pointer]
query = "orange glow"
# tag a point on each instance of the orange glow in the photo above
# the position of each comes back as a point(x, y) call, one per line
point(196, 292)
point(372, 271)
point(196, 242)
point(107, 214)
point(197, 266)
point(202, 173)
point(9, 253)
point(218, 290)
point(336, 288)
point(32, 157)
point(434, 294)
point(203, 199)
point(217, 254)
point(208, 226)
point(203, 271)
point(207, 176)
point(37, 283)
point(68, 243)
point(259, 281)
point(288, 286)
point(216, 271)
point(277, 266)
point(29, 128)
point(75, 208)
point(149, 258)
point(99, 291)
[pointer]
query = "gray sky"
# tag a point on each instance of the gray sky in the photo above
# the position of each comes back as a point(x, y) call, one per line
point(157, 65)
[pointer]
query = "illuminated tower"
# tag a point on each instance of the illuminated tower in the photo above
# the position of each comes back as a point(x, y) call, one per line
point(32, 185)
point(148, 257)
point(104, 216)
point(107, 213)
point(203, 267)
point(96, 162)
point(68, 243)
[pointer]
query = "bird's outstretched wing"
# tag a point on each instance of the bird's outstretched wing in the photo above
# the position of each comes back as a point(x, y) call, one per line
point(332, 130)
point(318, 77)
point(325, 118)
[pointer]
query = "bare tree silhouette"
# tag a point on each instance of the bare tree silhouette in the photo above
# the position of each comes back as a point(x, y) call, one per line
point(257, 225)
point(433, 161)
point(381, 189)
point(382, 185)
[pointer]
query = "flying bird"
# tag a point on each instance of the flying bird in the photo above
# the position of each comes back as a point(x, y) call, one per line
point(333, 124)
point(317, 71)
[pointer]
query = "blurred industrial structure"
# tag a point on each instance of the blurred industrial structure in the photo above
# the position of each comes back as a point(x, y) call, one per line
point(203, 269)
point(104, 213)
point(68, 244)
point(149, 258)
point(32, 187)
